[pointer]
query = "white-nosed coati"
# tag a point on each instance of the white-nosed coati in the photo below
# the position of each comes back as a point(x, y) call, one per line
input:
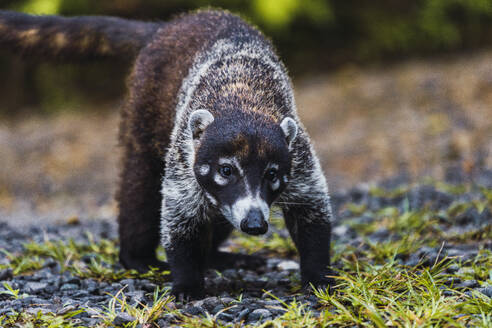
point(211, 138)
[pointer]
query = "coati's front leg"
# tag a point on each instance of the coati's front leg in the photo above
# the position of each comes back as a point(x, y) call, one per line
point(311, 234)
point(186, 236)
point(307, 212)
point(188, 259)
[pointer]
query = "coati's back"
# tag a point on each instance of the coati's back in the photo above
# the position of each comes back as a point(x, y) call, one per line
point(164, 75)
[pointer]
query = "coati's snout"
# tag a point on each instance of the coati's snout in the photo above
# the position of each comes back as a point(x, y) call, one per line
point(242, 165)
point(254, 223)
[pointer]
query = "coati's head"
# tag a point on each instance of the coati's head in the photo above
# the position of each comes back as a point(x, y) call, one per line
point(242, 163)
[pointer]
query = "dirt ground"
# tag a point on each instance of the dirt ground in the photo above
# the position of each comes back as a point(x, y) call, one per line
point(416, 117)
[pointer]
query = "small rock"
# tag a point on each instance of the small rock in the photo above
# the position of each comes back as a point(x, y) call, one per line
point(34, 300)
point(452, 281)
point(271, 284)
point(208, 303)
point(273, 262)
point(129, 283)
point(194, 310)
point(123, 318)
point(37, 310)
point(340, 230)
point(467, 284)
point(288, 266)
point(69, 301)
point(284, 282)
point(453, 268)
point(230, 273)
point(148, 286)
point(71, 280)
point(137, 297)
point(90, 285)
point(6, 274)
point(217, 308)
point(81, 294)
point(259, 314)
point(92, 312)
point(7, 312)
point(225, 317)
point(242, 315)
point(35, 287)
point(91, 322)
point(65, 309)
point(67, 287)
point(379, 235)
point(448, 292)
point(227, 300)
point(487, 291)
point(469, 217)
point(171, 306)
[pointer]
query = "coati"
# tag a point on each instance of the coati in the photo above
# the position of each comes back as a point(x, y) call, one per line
point(211, 138)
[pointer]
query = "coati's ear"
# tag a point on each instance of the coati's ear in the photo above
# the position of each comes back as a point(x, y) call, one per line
point(198, 122)
point(289, 126)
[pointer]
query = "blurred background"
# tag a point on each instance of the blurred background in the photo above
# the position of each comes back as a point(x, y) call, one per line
point(387, 89)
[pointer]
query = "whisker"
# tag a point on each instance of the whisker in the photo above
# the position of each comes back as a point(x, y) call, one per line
point(292, 203)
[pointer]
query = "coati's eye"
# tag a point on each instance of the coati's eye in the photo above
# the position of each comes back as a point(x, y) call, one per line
point(271, 175)
point(225, 170)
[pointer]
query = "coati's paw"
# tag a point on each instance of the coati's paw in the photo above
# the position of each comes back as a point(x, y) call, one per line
point(187, 292)
point(142, 265)
point(223, 260)
point(319, 282)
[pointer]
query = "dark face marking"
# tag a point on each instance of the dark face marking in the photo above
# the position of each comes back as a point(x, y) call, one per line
point(243, 167)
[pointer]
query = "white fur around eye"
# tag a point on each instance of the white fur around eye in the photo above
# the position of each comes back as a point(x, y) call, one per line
point(275, 185)
point(220, 180)
point(233, 162)
point(204, 169)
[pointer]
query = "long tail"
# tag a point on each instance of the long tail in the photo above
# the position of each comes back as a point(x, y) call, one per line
point(73, 37)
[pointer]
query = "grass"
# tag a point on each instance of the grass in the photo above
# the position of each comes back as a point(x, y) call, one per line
point(395, 295)
point(142, 313)
point(94, 260)
point(28, 320)
point(374, 288)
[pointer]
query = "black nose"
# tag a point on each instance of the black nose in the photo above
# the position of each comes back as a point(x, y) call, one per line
point(254, 223)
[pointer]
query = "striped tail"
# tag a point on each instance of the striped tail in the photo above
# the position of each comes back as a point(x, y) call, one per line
point(73, 37)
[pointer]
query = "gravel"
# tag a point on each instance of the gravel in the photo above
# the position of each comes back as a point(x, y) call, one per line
point(237, 294)
point(123, 318)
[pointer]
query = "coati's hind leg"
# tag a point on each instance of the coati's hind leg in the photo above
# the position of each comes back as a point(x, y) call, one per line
point(220, 260)
point(139, 201)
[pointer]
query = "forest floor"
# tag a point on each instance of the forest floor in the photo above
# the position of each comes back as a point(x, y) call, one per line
point(407, 151)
